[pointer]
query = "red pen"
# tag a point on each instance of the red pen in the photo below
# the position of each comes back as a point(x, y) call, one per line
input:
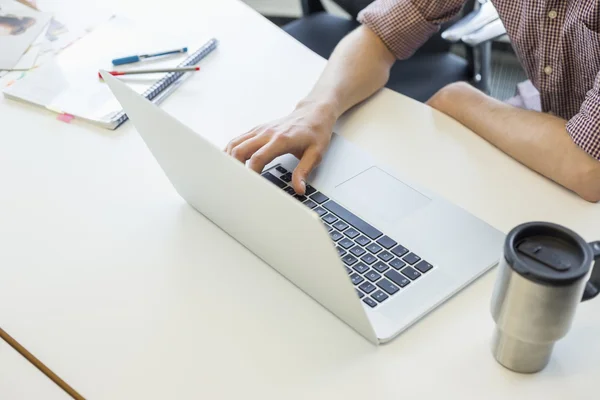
point(151, 71)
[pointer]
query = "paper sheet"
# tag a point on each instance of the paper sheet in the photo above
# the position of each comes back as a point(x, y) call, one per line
point(19, 27)
point(70, 83)
point(72, 20)
point(28, 60)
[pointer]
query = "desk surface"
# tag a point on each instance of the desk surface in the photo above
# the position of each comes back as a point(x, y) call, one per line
point(126, 292)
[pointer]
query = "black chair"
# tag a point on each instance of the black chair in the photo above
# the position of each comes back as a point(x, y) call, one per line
point(429, 69)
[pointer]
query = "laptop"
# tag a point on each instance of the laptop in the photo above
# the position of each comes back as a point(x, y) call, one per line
point(374, 249)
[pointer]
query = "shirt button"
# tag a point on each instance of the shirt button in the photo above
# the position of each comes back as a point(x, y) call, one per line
point(552, 14)
point(547, 70)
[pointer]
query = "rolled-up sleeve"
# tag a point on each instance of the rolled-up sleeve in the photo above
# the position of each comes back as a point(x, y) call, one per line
point(584, 127)
point(405, 25)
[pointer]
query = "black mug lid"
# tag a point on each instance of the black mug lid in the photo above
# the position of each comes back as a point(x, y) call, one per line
point(547, 253)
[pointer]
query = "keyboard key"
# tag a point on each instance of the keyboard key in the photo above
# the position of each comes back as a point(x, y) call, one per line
point(351, 233)
point(319, 197)
point(281, 169)
point(367, 287)
point(388, 286)
point(411, 273)
point(310, 204)
point(348, 270)
point(411, 258)
point(329, 229)
point(320, 210)
point(386, 242)
point(363, 240)
point(370, 302)
point(352, 219)
point(290, 190)
point(287, 177)
point(309, 190)
point(374, 248)
point(346, 243)
point(397, 263)
point(349, 259)
point(369, 258)
point(340, 225)
point(300, 198)
point(397, 278)
point(423, 266)
point(340, 251)
point(399, 250)
point(357, 251)
point(380, 296)
point(329, 218)
point(372, 276)
point(335, 235)
point(360, 268)
point(360, 294)
point(273, 179)
point(356, 279)
point(380, 267)
point(384, 255)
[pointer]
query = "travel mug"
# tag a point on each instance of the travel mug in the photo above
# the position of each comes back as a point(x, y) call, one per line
point(546, 271)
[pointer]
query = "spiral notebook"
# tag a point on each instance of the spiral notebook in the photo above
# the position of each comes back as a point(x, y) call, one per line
point(69, 85)
point(168, 83)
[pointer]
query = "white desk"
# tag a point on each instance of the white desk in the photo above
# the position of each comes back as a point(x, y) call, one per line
point(20, 380)
point(126, 292)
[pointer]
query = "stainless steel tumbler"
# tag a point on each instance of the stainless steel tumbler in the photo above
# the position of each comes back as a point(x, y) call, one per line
point(546, 271)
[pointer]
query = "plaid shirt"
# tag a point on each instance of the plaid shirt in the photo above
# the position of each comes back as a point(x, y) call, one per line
point(556, 41)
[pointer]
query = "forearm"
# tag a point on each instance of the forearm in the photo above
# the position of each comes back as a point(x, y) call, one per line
point(358, 67)
point(539, 141)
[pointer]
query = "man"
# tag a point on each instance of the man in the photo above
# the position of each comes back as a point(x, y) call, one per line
point(557, 41)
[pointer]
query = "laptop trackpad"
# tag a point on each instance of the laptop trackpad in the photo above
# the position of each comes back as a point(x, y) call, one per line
point(377, 195)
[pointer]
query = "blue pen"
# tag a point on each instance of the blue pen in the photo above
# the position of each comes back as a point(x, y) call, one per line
point(133, 59)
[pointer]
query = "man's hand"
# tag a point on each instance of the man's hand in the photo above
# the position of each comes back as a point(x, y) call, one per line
point(305, 133)
point(359, 66)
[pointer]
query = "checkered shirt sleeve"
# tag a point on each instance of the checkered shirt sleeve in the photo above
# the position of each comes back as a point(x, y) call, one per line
point(584, 127)
point(405, 25)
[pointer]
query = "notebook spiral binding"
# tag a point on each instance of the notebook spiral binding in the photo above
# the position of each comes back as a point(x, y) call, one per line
point(153, 91)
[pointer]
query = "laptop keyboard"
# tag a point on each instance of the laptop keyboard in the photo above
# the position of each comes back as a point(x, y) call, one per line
point(377, 265)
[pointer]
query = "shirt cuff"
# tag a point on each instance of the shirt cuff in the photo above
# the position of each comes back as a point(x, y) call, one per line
point(399, 24)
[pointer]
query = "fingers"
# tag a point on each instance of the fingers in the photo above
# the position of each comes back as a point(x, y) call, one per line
point(310, 159)
point(265, 143)
point(245, 150)
point(267, 153)
point(240, 139)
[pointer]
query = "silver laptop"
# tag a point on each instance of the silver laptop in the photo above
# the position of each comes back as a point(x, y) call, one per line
point(374, 249)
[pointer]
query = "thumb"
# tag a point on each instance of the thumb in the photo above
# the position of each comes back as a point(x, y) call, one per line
point(310, 159)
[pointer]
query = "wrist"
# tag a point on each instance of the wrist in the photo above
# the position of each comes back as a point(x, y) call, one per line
point(588, 182)
point(322, 110)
